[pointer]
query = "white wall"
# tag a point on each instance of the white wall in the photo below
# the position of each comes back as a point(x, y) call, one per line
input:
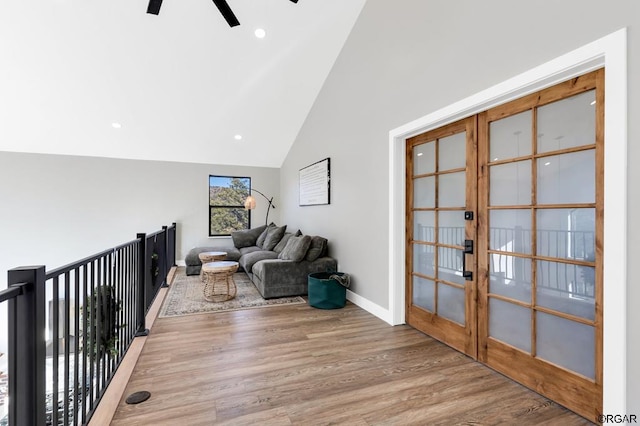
point(57, 209)
point(406, 59)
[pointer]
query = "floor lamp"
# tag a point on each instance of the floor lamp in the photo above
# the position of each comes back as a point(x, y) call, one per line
point(250, 204)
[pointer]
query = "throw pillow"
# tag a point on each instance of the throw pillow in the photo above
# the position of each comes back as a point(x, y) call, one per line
point(317, 248)
point(274, 235)
point(283, 242)
point(246, 237)
point(261, 238)
point(296, 248)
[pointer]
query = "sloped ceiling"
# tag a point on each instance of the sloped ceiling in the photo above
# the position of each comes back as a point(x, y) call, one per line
point(181, 84)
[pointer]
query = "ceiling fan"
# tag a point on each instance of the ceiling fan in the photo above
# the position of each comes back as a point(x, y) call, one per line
point(223, 7)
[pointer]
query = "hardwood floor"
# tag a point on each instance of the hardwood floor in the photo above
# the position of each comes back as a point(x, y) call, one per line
point(304, 366)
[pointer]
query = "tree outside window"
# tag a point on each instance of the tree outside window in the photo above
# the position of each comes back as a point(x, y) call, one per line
point(226, 204)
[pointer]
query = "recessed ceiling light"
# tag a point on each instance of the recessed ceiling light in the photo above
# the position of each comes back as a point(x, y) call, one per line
point(237, 137)
point(593, 103)
point(116, 125)
point(547, 163)
point(419, 154)
point(260, 33)
point(495, 159)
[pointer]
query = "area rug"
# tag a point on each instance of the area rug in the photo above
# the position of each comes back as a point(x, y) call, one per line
point(185, 297)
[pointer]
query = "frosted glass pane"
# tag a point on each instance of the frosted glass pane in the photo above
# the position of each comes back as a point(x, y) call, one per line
point(424, 158)
point(566, 288)
point(452, 152)
point(423, 259)
point(567, 178)
point(424, 192)
point(510, 184)
point(510, 324)
point(451, 190)
point(451, 303)
point(510, 231)
point(451, 228)
point(510, 137)
point(567, 123)
point(424, 226)
point(424, 293)
point(510, 276)
point(450, 265)
point(567, 233)
point(566, 343)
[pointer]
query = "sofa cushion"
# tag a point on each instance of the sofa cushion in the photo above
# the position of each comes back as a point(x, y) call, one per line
point(263, 235)
point(248, 260)
point(317, 248)
point(247, 237)
point(283, 242)
point(274, 235)
point(296, 248)
point(245, 250)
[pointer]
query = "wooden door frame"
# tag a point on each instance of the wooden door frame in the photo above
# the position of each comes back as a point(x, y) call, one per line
point(609, 52)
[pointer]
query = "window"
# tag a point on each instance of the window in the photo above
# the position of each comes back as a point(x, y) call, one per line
point(226, 204)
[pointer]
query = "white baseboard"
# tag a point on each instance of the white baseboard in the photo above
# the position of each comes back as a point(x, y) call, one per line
point(369, 306)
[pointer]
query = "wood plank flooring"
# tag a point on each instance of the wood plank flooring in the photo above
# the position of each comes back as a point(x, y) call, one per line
point(297, 365)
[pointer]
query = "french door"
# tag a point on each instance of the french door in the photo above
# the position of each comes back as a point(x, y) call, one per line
point(505, 239)
point(441, 288)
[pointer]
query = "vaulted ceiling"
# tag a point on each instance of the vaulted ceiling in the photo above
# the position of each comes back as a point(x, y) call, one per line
point(104, 78)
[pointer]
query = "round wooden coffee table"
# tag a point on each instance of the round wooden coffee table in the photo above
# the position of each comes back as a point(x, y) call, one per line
point(219, 285)
point(211, 256)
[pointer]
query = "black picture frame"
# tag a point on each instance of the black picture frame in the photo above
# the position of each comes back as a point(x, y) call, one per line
point(314, 183)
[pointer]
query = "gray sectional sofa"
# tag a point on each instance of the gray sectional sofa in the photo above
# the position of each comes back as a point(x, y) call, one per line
point(277, 262)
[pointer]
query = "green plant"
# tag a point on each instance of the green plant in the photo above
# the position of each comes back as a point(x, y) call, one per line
point(155, 269)
point(102, 309)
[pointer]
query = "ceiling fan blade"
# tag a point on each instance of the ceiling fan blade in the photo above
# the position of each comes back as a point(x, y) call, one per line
point(226, 11)
point(294, 1)
point(154, 6)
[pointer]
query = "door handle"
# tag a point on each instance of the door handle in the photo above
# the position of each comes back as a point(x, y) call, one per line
point(468, 249)
point(468, 246)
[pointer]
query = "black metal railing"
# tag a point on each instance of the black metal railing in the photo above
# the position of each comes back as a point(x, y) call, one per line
point(91, 311)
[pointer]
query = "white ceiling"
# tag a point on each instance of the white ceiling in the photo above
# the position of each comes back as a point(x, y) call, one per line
point(181, 84)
